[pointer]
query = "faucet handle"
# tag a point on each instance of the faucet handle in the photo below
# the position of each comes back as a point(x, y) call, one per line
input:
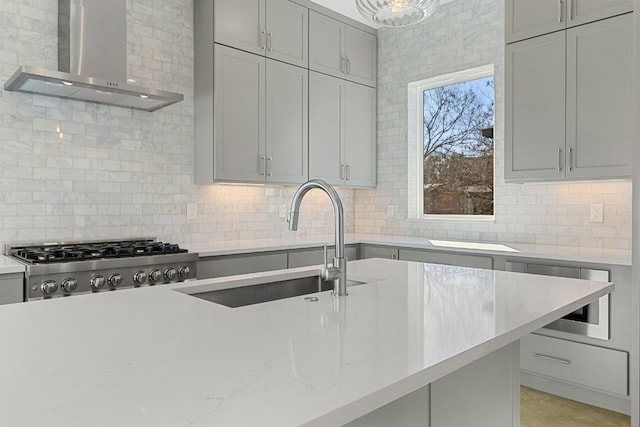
point(329, 273)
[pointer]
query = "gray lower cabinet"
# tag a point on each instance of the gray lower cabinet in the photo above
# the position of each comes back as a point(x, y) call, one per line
point(307, 257)
point(576, 363)
point(487, 389)
point(372, 251)
point(446, 258)
point(11, 288)
point(229, 265)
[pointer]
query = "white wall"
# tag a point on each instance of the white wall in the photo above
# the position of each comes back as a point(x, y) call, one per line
point(464, 34)
point(75, 170)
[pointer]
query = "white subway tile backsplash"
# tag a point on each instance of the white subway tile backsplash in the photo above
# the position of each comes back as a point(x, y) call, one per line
point(74, 170)
point(462, 35)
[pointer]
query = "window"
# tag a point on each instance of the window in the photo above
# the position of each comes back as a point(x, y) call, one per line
point(454, 123)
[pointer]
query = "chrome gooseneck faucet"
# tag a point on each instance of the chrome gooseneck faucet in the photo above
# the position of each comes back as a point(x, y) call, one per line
point(337, 273)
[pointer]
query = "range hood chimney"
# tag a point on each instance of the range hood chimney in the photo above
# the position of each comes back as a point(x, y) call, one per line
point(92, 60)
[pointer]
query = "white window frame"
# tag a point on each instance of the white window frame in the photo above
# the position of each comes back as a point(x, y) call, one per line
point(416, 143)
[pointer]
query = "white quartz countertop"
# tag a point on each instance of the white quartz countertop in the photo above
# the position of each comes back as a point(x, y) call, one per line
point(512, 250)
point(156, 356)
point(8, 266)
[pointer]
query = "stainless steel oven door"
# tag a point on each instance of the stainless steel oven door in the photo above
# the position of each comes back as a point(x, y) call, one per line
point(591, 320)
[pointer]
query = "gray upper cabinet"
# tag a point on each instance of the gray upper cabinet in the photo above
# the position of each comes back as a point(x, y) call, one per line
point(277, 29)
point(340, 50)
point(287, 123)
point(568, 107)
point(261, 119)
point(342, 131)
point(241, 24)
point(527, 18)
point(599, 102)
point(239, 142)
point(535, 108)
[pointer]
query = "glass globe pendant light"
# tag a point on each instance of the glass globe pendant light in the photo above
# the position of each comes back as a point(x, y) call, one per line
point(396, 13)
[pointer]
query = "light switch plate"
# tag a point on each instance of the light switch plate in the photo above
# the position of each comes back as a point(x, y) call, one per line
point(192, 211)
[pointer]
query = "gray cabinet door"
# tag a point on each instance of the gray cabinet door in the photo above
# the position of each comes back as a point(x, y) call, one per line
point(599, 102)
point(287, 123)
point(326, 127)
point(535, 108)
point(326, 44)
point(239, 105)
point(240, 23)
point(287, 32)
point(583, 11)
point(360, 146)
point(526, 18)
point(361, 56)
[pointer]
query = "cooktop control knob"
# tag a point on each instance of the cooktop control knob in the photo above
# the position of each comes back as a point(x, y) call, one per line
point(96, 282)
point(69, 285)
point(49, 287)
point(184, 272)
point(170, 273)
point(139, 277)
point(155, 276)
point(114, 280)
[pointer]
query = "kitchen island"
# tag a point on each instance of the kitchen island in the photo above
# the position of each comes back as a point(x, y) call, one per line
point(158, 356)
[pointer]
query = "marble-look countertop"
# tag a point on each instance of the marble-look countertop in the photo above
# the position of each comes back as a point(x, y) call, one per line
point(156, 356)
point(8, 266)
point(512, 250)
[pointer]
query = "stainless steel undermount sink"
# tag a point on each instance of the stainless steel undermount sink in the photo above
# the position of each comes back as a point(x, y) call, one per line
point(269, 291)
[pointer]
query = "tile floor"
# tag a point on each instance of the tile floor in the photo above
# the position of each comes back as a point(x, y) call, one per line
point(538, 409)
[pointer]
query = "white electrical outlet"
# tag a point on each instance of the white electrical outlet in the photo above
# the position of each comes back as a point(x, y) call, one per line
point(597, 213)
point(283, 211)
point(391, 211)
point(192, 211)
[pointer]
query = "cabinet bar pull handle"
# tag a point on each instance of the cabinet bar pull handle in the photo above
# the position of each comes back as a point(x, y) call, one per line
point(551, 358)
point(348, 66)
point(261, 165)
point(263, 38)
point(570, 159)
point(269, 166)
point(559, 159)
point(560, 10)
point(342, 66)
point(341, 171)
point(348, 172)
point(570, 10)
point(269, 41)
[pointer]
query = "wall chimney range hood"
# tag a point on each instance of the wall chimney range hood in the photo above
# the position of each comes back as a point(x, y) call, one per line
point(92, 60)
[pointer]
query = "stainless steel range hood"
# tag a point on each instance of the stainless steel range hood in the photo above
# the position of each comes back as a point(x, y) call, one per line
point(92, 60)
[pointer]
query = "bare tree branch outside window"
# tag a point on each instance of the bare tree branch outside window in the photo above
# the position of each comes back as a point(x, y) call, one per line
point(458, 159)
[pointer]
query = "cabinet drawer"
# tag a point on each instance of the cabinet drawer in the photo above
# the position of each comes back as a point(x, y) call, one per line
point(446, 258)
point(379, 252)
point(587, 365)
point(229, 265)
